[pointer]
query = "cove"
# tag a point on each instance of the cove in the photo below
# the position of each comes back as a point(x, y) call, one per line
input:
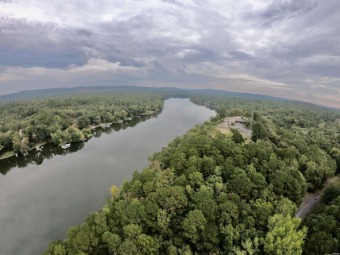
point(40, 200)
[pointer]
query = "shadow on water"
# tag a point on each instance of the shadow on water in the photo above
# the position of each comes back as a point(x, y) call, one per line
point(50, 150)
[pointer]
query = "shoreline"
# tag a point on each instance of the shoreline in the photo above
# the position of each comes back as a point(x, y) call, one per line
point(10, 154)
point(6, 154)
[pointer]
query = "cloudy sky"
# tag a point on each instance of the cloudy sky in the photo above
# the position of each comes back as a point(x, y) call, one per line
point(285, 48)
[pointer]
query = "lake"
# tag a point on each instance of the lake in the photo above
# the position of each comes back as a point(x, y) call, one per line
point(42, 195)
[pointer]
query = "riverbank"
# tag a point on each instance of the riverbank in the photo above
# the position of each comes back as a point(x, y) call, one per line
point(9, 154)
point(93, 128)
point(65, 118)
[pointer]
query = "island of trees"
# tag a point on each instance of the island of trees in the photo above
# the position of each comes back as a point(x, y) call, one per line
point(211, 193)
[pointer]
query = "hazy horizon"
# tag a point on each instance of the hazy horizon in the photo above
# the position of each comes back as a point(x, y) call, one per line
point(287, 49)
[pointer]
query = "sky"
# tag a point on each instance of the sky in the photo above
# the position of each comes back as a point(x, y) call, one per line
point(283, 48)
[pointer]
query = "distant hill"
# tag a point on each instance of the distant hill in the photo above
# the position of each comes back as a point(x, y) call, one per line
point(51, 92)
point(215, 92)
point(166, 91)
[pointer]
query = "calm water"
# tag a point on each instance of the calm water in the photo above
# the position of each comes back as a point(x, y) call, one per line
point(45, 194)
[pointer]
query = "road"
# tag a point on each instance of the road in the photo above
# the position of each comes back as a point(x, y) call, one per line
point(311, 200)
point(308, 204)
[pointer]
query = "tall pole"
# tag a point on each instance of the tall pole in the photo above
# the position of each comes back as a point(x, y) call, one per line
point(252, 118)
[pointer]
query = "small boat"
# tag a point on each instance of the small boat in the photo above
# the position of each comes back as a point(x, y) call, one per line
point(65, 146)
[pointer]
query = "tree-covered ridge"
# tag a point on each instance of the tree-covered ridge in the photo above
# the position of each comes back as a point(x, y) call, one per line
point(68, 118)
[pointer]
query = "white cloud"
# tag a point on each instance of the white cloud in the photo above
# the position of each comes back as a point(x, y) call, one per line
point(95, 67)
point(102, 65)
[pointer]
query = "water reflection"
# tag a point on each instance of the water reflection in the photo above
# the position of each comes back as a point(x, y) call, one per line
point(50, 150)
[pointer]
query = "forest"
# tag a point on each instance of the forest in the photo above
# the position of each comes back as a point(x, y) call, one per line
point(208, 193)
point(66, 119)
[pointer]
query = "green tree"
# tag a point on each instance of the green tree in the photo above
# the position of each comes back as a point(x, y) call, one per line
point(237, 136)
point(113, 240)
point(56, 248)
point(193, 225)
point(321, 242)
point(258, 132)
point(283, 236)
point(57, 137)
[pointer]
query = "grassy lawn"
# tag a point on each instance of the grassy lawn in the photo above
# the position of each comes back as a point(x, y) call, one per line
point(225, 131)
point(214, 131)
point(7, 154)
point(39, 144)
point(247, 140)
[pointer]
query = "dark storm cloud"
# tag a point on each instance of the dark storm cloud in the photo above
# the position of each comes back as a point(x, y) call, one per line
point(29, 45)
